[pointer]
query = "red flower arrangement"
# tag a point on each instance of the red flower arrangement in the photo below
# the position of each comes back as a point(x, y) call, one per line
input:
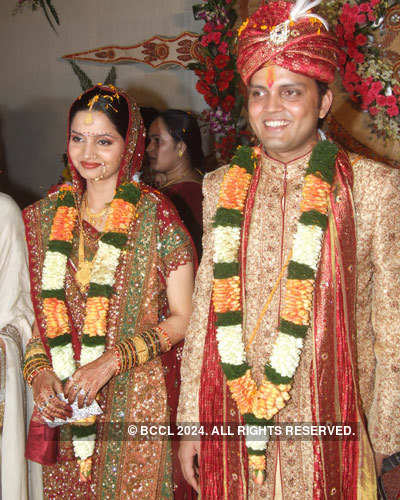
point(219, 82)
point(366, 76)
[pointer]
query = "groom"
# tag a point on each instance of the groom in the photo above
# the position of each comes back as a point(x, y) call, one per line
point(285, 328)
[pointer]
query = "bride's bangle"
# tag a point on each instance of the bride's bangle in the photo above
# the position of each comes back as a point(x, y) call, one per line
point(164, 335)
point(32, 374)
point(117, 357)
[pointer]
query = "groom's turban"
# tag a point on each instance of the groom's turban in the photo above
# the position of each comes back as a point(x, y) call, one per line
point(289, 36)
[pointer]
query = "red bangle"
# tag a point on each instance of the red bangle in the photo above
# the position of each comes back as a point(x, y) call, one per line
point(117, 359)
point(162, 333)
point(36, 371)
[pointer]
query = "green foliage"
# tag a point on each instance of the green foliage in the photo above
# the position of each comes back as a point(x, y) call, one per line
point(251, 419)
point(314, 218)
point(274, 377)
point(51, 16)
point(229, 318)
point(243, 158)
point(96, 290)
point(117, 240)
point(53, 12)
point(60, 246)
point(111, 78)
point(53, 294)
point(129, 192)
point(81, 431)
point(234, 371)
point(59, 341)
point(93, 341)
point(227, 217)
point(322, 161)
point(84, 80)
point(226, 270)
point(290, 328)
point(65, 199)
point(298, 271)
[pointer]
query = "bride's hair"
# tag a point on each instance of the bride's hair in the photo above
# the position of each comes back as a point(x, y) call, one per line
point(116, 110)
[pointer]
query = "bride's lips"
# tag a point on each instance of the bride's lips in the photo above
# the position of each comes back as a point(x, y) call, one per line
point(89, 164)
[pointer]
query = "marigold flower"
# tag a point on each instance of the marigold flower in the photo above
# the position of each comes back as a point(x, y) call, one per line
point(243, 390)
point(226, 294)
point(63, 224)
point(257, 462)
point(234, 188)
point(96, 316)
point(56, 314)
point(315, 194)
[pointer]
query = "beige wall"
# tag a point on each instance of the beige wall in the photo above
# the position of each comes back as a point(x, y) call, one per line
point(37, 87)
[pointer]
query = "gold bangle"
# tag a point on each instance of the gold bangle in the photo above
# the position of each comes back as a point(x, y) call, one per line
point(141, 349)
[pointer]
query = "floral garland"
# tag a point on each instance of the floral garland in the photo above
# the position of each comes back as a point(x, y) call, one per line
point(259, 405)
point(46, 6)
point(219, 82)
point(369, 80)
point(105, 263)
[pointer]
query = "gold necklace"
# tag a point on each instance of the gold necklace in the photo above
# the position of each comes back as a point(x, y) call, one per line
point(84, 272)
point(94, 218)
point(177, 181)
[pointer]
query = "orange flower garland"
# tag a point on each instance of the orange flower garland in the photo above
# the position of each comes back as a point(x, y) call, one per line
point(259, 405)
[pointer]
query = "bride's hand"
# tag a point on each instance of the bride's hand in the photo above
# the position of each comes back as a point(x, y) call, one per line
point(45, 386)
point(89, 379)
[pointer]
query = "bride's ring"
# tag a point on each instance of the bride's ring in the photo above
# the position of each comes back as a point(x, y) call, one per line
point(82, 392)
point(75, 386)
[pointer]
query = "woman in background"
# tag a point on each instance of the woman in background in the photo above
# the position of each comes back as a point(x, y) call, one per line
point(111, 270)
point(176, 158)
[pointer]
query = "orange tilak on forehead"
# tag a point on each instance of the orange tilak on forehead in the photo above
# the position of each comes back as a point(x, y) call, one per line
point(270, 74)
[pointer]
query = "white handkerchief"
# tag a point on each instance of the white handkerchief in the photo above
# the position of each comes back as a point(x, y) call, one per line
point(77, 413)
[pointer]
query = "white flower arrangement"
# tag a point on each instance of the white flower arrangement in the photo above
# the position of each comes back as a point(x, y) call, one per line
point(307, 245)
point(285, 354)
point(54, 268)
point(105, 263)
point(63, 361)
point(226, 245)
point(90, 353)
point(230, 345)
point(257, 437)
point(84, 446)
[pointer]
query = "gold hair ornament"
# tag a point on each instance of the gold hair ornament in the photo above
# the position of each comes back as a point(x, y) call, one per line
point(95, 98)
